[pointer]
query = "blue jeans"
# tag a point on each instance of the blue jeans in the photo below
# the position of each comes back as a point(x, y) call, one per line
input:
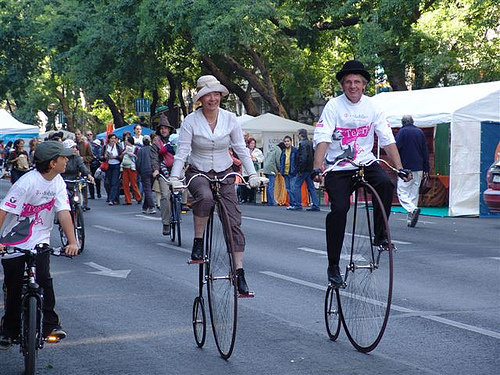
point(289, 184)
point(270, 189)
point(299, 179)
point(113, 181)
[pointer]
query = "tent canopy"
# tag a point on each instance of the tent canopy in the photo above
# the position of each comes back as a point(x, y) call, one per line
point(12, 129)
point(464, 108)
point(269, 129)
point(429, 107)
point(275, 124)
point(119, 132)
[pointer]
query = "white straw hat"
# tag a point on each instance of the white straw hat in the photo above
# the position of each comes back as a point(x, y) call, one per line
point(208, 84)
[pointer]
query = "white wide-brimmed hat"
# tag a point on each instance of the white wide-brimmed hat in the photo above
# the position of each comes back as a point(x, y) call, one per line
point(208, 84)
point(69, 143)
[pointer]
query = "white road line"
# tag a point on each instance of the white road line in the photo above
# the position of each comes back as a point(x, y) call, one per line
point(310, 228)
point(322, 252)
point(309, 250)
point(173, 247)
point(149, 217)
point(107, 229)
point(434, 318)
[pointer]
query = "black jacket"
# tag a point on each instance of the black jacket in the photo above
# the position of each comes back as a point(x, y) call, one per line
point(305, 156)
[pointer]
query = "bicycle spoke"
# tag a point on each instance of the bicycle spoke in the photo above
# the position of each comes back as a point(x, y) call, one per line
point(365, 302)
point(222, 295)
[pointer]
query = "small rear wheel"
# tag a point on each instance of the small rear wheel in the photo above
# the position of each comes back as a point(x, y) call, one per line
point(199, 321)
point(332, 313)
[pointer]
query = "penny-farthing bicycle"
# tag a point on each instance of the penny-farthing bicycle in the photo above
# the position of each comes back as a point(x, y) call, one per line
point(218, 272)
point(363, 303)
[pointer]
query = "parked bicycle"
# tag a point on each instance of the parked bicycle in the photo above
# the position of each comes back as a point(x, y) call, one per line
point(30, 335)
point(75, 196)
point(362, 304)
point(217, 270)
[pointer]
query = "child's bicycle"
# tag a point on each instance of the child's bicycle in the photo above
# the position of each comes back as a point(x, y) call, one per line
point(30, 336)
point(362, 304)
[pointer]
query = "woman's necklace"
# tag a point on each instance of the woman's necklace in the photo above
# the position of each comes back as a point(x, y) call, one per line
point(214, 121)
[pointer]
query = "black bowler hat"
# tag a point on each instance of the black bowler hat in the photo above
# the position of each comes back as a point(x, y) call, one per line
point(353, 67)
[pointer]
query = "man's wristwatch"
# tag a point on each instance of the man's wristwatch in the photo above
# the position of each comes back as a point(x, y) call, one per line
point(315, 173)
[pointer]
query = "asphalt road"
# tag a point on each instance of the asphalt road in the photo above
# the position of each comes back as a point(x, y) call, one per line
point(126, 300)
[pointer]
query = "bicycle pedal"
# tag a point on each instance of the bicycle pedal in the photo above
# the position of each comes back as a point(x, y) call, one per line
point(198, 261)
point(249, 295)
point(342, 286)
point(51, 339)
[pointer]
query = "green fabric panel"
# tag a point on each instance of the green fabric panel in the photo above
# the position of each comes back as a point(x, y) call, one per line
point(442, 149)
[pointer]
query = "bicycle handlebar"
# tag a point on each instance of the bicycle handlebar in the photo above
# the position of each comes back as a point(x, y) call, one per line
point(39, 249)
point(81, 180)
point(358, 165)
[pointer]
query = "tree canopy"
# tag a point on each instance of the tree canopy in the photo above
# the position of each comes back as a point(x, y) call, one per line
point(91, 58)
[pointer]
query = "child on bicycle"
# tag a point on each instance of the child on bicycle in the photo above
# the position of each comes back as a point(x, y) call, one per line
point(26, 220)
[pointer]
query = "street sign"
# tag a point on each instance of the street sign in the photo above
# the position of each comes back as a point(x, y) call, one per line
point(142, 107)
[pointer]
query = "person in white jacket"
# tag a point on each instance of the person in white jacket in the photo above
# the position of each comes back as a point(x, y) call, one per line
point(206, 135)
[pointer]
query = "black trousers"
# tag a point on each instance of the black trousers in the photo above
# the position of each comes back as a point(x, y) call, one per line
point(13, 269)
point(339, 186)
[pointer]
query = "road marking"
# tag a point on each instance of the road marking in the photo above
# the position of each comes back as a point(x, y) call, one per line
point(107, 229)
point(422, 315)
point(149, 217)
point(494, 258)
point(173, 247)
point(306, 227)
point(420, 221)
point(324, 253)
point(104, 271)
point(309, 250)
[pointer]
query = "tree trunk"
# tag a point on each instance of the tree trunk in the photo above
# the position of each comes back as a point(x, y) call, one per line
point(265, 88)
point(117, 115)
point(244, 96)
point(154, 102)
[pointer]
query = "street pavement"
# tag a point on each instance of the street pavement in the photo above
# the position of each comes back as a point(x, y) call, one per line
point(126, 301)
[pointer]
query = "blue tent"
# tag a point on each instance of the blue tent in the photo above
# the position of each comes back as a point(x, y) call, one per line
point(119, 132)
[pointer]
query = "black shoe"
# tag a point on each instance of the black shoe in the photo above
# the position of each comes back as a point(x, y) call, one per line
point(197, 251)
point(241, 282)
point(166, 229)
point(86, 208)
point(5, 342)
point(334, 276)
point(414, 217)
point(92, 197)
point(381, 242)
point(99, 196)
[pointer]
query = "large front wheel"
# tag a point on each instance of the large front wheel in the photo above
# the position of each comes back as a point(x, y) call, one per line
point(365, 303)
point(30, 335)
point(221, 281)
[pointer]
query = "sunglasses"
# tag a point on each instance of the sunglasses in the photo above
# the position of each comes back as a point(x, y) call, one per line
point(89, 134)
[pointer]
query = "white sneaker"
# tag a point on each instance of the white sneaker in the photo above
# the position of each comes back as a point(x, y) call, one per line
point(151, 211)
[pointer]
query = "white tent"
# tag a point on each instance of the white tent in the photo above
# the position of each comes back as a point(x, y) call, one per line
point(12, 129)
point(464, 107)
point(272, 129)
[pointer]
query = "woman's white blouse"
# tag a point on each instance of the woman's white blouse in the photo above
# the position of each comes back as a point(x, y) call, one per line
point(210, 150)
